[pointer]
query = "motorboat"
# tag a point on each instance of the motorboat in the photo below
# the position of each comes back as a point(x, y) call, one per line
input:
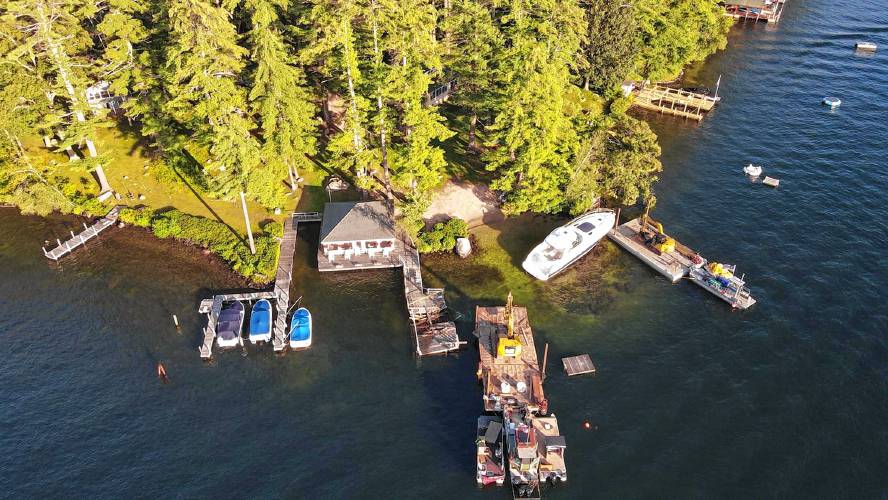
point(568, 243)
point(832, 102)
point(300, 329)
point(260, 322)
point(229, 324)
point(752, 170)
point(866, 46)
point(491, 454)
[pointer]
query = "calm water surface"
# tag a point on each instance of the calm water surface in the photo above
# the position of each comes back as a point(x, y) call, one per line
point(787, 399)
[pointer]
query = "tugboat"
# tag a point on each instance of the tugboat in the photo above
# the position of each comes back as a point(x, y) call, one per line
point(490, 451)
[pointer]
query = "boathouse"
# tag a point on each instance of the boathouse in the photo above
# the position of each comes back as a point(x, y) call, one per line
point(358, 235)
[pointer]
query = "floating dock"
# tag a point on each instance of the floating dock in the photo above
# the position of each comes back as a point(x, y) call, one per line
point(578, 365)
point(673, 265)
point(676, 102)
point(88, 233)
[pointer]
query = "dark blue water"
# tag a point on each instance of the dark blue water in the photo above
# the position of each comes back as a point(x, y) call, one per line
point(788, 399)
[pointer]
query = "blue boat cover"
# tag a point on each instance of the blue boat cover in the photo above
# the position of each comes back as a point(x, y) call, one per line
point(260, 319)
point(230, 319)
point(300, 325)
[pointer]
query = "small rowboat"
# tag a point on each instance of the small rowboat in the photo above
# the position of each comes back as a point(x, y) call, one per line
point(866, 46)
point(832, 102)
point(260, 322)
point(300, 329)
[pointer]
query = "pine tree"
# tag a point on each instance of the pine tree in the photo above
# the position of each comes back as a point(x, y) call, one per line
point(471, 44)
point(205, 63)
point(56, 48)
point(533, 138)
point(279, 98)
point(611, 45)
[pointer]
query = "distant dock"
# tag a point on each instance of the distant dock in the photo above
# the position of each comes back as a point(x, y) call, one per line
point(676, 102)
point(80, 239)
point(755, 10)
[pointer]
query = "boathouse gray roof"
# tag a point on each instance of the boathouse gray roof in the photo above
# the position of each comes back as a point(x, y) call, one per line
point(357, 221)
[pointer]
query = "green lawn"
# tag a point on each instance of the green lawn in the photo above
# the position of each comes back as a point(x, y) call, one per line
point(130, 172)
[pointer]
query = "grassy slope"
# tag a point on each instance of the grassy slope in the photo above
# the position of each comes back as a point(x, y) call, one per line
point(128, 173)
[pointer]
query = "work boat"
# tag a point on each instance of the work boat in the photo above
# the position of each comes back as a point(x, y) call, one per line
point(720, 280)
point(524, 459)
point(260, 322)
point(490, 451)
point(229, 324)
point(568, 243)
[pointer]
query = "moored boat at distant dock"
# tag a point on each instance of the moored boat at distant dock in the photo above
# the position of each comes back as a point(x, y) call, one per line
point(568, 243)
point(491, 454)
point(260, 322)
point(229, 325)
point(300, 329)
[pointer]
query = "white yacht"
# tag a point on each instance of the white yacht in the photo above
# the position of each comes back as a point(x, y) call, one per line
point(568, 243)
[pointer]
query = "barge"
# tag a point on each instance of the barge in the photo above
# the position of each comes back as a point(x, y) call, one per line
point(512, 383)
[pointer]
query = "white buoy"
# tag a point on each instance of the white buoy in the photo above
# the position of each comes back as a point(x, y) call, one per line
point(866, 46)
point(176, 321)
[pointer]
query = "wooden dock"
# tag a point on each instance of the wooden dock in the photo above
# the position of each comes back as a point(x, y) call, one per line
point(88, 233)
point(673, 265)
point(280, 294)
point(425, 307)
point(676, 102)
point(578, 365)
point(213, 306)
point(505, 372)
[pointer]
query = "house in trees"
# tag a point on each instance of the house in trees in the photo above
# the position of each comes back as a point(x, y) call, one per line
point(99, 97)
point(358, 235)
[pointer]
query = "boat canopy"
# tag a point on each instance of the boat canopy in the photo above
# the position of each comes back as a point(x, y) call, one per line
point(493, 432)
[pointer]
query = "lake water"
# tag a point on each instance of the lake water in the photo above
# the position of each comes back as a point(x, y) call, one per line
point(787, 399)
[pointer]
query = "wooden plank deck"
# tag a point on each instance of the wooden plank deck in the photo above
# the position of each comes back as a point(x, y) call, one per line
point(675, 102)
point(88, 233)
point(578, 365)
point(282, 283)
point(490, 325)
point(673, 265)
point(424, 306)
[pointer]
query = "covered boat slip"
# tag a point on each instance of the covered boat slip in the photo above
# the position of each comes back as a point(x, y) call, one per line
point(507, 380)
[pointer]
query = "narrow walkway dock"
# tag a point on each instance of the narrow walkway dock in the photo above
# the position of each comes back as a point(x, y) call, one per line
point(672, 265)
point(425, 307)
point(88, 233)
point(675, 102)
